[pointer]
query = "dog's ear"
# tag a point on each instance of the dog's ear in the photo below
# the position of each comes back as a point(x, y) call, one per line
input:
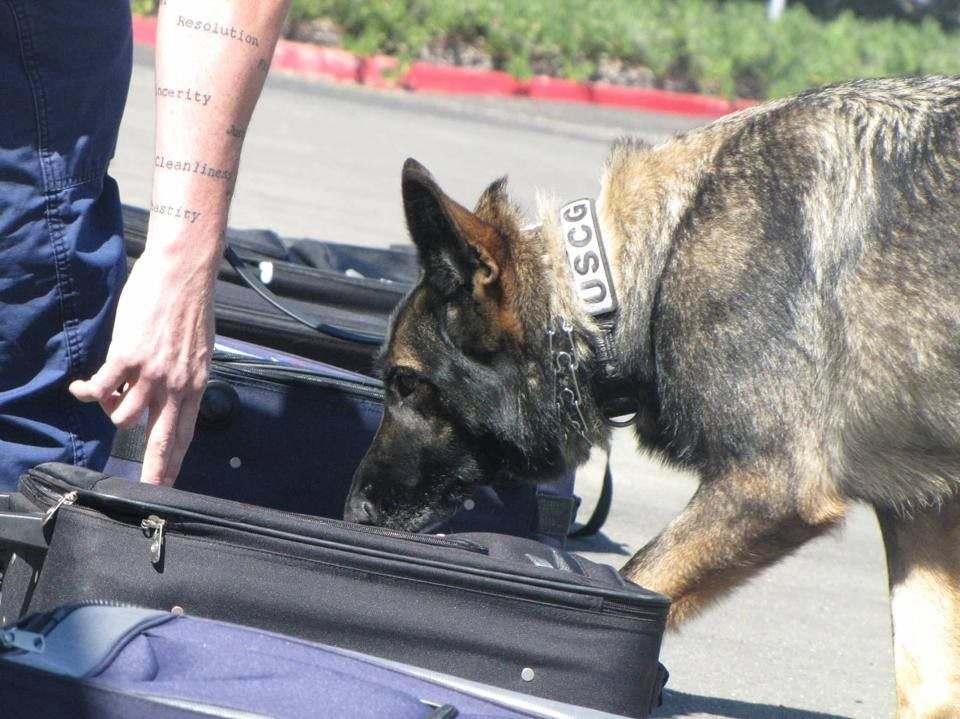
point(495, 208)
point(457, 248)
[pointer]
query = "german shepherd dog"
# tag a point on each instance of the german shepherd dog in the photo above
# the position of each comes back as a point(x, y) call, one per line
point(789, 328)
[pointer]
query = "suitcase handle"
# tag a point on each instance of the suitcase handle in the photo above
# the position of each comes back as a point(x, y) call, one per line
point(19, 529)
point(254, 283)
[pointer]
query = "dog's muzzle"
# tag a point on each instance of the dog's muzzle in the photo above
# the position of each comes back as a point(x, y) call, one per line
point(360, 510)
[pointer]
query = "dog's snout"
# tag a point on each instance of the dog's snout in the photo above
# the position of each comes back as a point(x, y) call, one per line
point(361, 511)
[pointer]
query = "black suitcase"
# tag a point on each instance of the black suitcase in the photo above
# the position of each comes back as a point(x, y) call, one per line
point(500, 610)
point(332, 273)
point(242, 314)
point(330, 311)
point(288, 433)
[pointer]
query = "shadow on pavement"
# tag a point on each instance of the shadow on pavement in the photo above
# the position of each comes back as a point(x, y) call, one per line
point(598, 543)
point(679, 704)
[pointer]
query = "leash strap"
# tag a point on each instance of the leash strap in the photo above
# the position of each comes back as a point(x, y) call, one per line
point(601, 511)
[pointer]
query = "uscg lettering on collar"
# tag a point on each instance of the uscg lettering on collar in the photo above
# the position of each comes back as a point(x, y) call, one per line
point(586, 257)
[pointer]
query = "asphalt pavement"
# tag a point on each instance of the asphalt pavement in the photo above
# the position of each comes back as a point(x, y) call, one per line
point(810, 638)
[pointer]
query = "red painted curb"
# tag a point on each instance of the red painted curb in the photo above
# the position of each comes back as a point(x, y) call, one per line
point(425, 76)
point(307, 59)
point(542, 87)
point(660, 100)
point(378, 71)
point(145, 30)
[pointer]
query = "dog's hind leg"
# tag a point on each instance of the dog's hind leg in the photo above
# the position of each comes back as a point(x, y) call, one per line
point(923, 564)
point(734, 526)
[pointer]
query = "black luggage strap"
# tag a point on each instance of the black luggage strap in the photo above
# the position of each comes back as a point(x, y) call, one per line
point(130, 444)
point(555, 514)
point(20, 529)
point(254, 283)
point(601, 511)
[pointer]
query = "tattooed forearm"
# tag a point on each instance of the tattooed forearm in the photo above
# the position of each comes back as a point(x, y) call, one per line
point(212, 59)
point(216, 28)
point(194, 166)
point(173, 211)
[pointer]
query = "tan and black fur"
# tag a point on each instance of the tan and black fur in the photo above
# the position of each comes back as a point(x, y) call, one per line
point(789, 279)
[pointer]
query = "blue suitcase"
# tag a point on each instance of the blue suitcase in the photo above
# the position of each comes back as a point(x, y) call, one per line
point(116, 662)
point(286, 431)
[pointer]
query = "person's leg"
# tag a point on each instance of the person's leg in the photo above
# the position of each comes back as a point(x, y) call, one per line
point(64, 74)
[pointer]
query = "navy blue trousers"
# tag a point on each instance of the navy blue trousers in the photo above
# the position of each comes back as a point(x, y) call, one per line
point(64, 73)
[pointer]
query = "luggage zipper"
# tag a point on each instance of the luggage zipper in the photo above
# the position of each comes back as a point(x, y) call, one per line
point(41, 495)
point(266, 370)
point(29, 633)
point(65, 499)
point(437, 540)
point(153, 527)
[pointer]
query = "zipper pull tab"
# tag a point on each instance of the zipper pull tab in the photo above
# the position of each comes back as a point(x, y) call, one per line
point(68, 498)
point(153, 526)
point(22, 639)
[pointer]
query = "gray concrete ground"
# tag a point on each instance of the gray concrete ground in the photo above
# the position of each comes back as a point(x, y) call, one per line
point(810, 637)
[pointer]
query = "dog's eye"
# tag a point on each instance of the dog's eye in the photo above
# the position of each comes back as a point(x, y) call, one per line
point(405, 383)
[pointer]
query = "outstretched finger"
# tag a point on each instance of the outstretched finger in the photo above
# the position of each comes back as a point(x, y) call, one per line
point(161, 438)
point(187, 423)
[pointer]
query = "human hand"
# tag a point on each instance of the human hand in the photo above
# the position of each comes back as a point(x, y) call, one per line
point(159, 357)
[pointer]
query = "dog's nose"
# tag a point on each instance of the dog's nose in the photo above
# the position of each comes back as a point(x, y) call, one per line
point(360, 511)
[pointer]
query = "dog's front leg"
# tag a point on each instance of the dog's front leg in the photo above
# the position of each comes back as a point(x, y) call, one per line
point(734, 526)
point(923, 560)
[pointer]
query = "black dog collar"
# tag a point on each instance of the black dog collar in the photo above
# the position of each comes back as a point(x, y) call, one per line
point(594, 287)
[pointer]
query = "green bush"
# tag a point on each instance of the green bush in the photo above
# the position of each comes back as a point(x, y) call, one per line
point(726, 47)
point(143, 7)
